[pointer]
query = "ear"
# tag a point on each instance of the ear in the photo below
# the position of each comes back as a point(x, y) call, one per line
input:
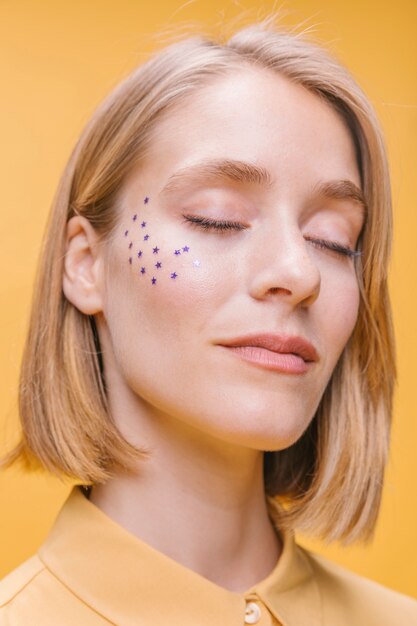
point(82, 276)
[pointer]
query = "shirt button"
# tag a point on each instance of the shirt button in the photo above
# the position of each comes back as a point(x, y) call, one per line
point(252, 613)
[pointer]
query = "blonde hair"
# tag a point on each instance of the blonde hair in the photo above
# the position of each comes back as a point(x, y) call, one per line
point(337, 466)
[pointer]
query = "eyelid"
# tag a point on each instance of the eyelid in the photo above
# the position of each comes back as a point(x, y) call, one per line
point(219, 225)
point(334, 246)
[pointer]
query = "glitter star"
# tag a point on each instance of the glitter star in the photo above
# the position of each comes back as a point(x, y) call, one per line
point(155, 250)
point(146, 237)
point(153, 280)
point(135, 217)
point(142, 270)
point(130, 260)
point(143, 224)
point(146, 200)
point(177, 252)
point(158, 265)
point(196, 263)
point(130, 245)
point(140, 254)
point(185, 249)
point(174, 275)
point(126, 233)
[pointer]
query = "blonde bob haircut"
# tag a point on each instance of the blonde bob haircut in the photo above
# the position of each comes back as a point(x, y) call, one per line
point(329, 483)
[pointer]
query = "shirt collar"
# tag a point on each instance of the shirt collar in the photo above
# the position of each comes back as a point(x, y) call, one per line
point(121, 577)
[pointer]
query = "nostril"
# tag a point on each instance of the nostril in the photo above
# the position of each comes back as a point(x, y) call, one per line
point(277, 289)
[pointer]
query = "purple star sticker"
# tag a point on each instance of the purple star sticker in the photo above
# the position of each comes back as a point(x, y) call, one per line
point(155, 250)
point(135, 217)
point(126, 233)
point(153, 280)
point(143, 224)
point(142, 270)
point(185, 249)
point(140, 254)
point(146, 200)
point(177, 252)
point(174, 275)
point(158, 265)
point(146, 237)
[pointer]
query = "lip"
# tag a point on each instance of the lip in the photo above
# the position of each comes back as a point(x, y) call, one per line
point(285, 353)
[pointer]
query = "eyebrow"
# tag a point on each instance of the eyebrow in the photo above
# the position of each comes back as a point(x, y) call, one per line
point(342, 190)
point(219, 170)
point(249, 173)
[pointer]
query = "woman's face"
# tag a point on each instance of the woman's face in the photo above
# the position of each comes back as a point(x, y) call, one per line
point(267, 272)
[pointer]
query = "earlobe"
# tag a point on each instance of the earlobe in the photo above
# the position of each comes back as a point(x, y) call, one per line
point(81, 281)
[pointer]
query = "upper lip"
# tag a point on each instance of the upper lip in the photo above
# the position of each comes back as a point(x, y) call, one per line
point(293, 344)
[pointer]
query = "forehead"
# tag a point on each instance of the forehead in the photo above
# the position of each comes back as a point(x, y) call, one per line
point(259, 116)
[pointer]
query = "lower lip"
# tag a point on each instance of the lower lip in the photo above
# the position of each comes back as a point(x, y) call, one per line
point(278, 361)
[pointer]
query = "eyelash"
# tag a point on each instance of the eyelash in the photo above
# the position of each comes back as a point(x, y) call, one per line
point(224, 226)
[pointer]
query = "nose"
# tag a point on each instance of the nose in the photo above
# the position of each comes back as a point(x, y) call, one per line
point(282, 265)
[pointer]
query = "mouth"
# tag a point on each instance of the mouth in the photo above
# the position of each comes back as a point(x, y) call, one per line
point(283, 353)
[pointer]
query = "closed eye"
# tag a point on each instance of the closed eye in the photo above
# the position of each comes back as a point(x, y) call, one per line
point(223, 226)
point(208, 224)
point(334, 246)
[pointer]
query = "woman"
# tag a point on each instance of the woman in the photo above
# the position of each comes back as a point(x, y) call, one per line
point(210, 353)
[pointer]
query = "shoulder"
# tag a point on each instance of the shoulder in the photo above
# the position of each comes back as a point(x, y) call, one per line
point(31, 594)
point(365, 601)
point(15, 586)
point(15, 582)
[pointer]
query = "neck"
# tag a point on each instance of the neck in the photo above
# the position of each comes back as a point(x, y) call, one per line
point(199, 501)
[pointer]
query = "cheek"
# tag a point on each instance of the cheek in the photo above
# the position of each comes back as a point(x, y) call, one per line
point(340, 305)
point(169, 280)
point(163, 291)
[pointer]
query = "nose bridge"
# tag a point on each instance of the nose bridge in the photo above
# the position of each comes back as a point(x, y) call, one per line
point(282, 263)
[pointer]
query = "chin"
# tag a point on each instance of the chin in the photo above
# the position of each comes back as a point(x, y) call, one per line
point(264, 434)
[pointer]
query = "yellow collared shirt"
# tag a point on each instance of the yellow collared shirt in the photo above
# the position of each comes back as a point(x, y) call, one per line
point(90, 572)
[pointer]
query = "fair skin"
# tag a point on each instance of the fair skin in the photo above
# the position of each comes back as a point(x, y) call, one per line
point(205, 414)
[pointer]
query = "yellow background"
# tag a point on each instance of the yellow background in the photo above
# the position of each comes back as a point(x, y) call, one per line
point(57, 61)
